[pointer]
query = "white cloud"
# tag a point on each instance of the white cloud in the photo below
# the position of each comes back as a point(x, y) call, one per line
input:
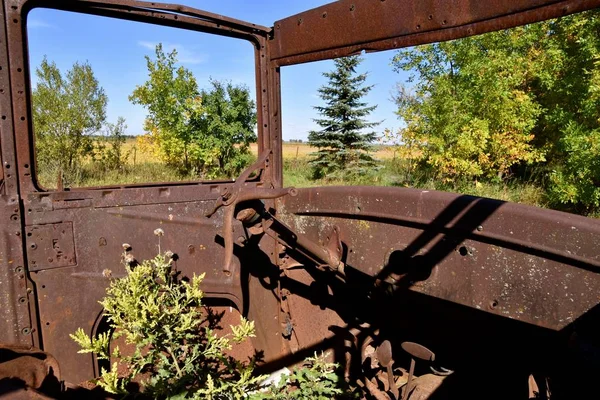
point(38, 23)
point(185, 55)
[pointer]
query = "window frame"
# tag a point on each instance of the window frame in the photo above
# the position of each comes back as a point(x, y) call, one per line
point(179, 17)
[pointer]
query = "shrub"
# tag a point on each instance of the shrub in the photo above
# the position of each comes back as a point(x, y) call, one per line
point(577, 181)
point(177, 352)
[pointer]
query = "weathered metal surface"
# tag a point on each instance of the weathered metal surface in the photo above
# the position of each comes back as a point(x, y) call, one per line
point(16, 323)
point(50, 246)
point(385, 357)
point(452, 272)
point(100, 233)
point(24, 368)
point(328, 255)
point(418, 351)
point(349, 26)
point(484, 284)
point(239, 193)
point(521, 262)
point(104, 218)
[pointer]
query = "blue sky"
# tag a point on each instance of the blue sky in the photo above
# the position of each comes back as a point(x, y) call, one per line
point(116, 50)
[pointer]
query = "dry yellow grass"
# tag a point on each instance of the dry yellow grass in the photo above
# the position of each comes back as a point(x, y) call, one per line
point(290, 151)
point(300, 150)
point(136, 154)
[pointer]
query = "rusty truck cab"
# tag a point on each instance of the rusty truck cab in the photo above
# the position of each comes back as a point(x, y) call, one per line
point(502, 293)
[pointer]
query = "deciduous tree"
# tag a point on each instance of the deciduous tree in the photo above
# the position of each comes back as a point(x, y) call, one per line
point(67, 110)
point(468, 111)
point(480, 107)
point(207, 131)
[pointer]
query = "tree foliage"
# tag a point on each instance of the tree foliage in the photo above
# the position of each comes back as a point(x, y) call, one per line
point(228, 122)
point(208, 131)
point(477, 107)
point(109, 150)
point(569, 90)
point(343, 144)
point(67, 110)
point(469, 113)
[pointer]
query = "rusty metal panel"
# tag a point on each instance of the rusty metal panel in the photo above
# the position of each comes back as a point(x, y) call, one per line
point(68, 296)
point(16, 306)
point(524, 263)
point(98, 221)
point(496, 290)
point(23, 368)
point(9, 164)
point(15, 323)
point(50, 246)
point(1, 170)
point(349, 26)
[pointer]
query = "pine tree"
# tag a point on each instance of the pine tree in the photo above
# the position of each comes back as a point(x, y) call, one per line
point(342, 143)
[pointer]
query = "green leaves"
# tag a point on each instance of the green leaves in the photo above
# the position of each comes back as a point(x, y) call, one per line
point(110, 381)
point(206, 131)
point(98, 345)
point(66, 111)
point(469, 113)
point(478, 107)
point(243, 331)
point(176, 350)
point(315, 380)
point(577, 181)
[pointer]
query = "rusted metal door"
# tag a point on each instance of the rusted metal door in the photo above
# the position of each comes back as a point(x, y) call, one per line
point(67, 244)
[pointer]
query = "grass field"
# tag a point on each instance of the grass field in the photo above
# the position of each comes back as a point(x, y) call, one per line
point(290, 151)
point(302, 150)
point(143, 167)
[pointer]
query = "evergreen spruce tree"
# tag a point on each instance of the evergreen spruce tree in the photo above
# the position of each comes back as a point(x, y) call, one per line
point(342, 143)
